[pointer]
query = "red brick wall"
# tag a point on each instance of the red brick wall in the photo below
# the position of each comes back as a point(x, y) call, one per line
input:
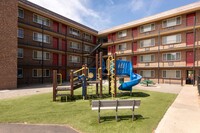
point(8, 44)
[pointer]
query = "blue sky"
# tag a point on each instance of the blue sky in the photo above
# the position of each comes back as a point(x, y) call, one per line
point(103, 14)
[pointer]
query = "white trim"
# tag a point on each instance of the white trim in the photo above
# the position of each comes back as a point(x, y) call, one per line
point(44, 55)
point(44, 36)
point(150, 45)
point(44, 19)
point(147, 55)
point(172, 42)
point(152, 76)
point(44, 72)
point(152, 29)
point(21, 53)
point(114, 108)
point(167, 21)
point(20, 34)
point(122, 33)
point(170, 53)
point(172, 71)
point(18, 13)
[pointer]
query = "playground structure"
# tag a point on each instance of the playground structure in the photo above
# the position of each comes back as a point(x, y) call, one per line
point(115, 68)
point(88, 76)
point(121, 68)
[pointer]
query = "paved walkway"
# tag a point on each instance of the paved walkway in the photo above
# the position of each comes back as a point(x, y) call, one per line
point(26, 128)
point(184, 114)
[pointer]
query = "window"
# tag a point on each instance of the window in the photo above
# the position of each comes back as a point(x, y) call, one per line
point(74, 59)
point(19, 73)
point(122, 46)
point(87, 48)
point(74, 32)
point(38, 73)
point(74, 45)
point(20, 33)
point(85, 60)
point(122, 33)
point(147, 58)
point(147, 28)
point(147, 73)
point(41, 20)
point(38, 55)
point(147, 43)
point(38, 37)
point(171, 22)
point(171, 56)
point(20, 13)
point(20, 52)
point(122, 58)
point(87, 36)
point(171, 74)
point(171, 39)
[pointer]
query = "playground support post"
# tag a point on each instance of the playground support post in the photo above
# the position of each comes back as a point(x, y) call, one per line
point(85, 73)
point(115, 71)
point(72, 82)
point(97, 66)
point(101, 58)
point(54, 84)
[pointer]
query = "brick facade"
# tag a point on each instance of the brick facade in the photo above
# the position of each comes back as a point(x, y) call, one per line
point(8, 44)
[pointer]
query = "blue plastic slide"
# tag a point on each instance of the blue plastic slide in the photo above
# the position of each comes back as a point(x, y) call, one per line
point(125, 68)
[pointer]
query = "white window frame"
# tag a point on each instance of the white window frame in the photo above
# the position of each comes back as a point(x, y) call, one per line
point(87, 36)
point(22, 75)
point(171, 54)
point(172, 71)
point(46, 38)
point(74, 31)
point(87, 48)
point(39, 55)
point(74, 61)
point(170, 19)
point(18, 33)
point(177, 36)
point(151, 71)
point(151, 44)
point(22, 52)
point(150, 55)
point(72, 45)
point(85, 60)
point(41, 20)
point(150, 27)
point(122, 33)
point(123, 47)
point(19, 13)
point(40, 71)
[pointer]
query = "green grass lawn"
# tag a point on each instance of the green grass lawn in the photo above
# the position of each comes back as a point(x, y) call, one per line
point(78, 114)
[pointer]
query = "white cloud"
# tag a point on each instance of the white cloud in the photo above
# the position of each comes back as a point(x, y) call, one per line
point(136, 5)
point(77, 10)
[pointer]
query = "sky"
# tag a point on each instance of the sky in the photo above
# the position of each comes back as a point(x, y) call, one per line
point(104, 14)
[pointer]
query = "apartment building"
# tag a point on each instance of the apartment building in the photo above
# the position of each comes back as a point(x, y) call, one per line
point(48, 41)
point(164, 48)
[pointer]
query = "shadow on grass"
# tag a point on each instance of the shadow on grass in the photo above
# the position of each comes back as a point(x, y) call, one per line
point(122, 95)
point(121, 118)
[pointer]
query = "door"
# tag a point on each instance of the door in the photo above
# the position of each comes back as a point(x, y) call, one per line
point(63, 60)
point(134, 46)
point(94, 40)
point(134, 60)
point(190, 38)
point(55, 59)
point(55, 26)
point(63, 45)
point(190, 77)
point(63, 75)
point(190, 19)
point(113, 36)
point(189, 58)
point(134, 32)
point(64, 29)
point(55, 43)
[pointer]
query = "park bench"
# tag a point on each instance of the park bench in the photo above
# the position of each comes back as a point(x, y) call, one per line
point(114, 105)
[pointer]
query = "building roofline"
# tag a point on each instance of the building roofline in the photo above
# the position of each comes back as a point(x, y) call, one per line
point(51, 13)
point(157, 17)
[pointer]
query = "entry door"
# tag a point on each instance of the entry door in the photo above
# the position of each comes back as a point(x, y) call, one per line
point(189, 58)
point(134, 32)
point(55, 59)
point(134, 46)
point(55, 43)
point(190, 19)
point(190, 38)
point(134, 60)
point(55, 26)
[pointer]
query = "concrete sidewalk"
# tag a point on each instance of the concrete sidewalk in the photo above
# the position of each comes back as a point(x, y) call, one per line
point(184, 114)
point(30, 128)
